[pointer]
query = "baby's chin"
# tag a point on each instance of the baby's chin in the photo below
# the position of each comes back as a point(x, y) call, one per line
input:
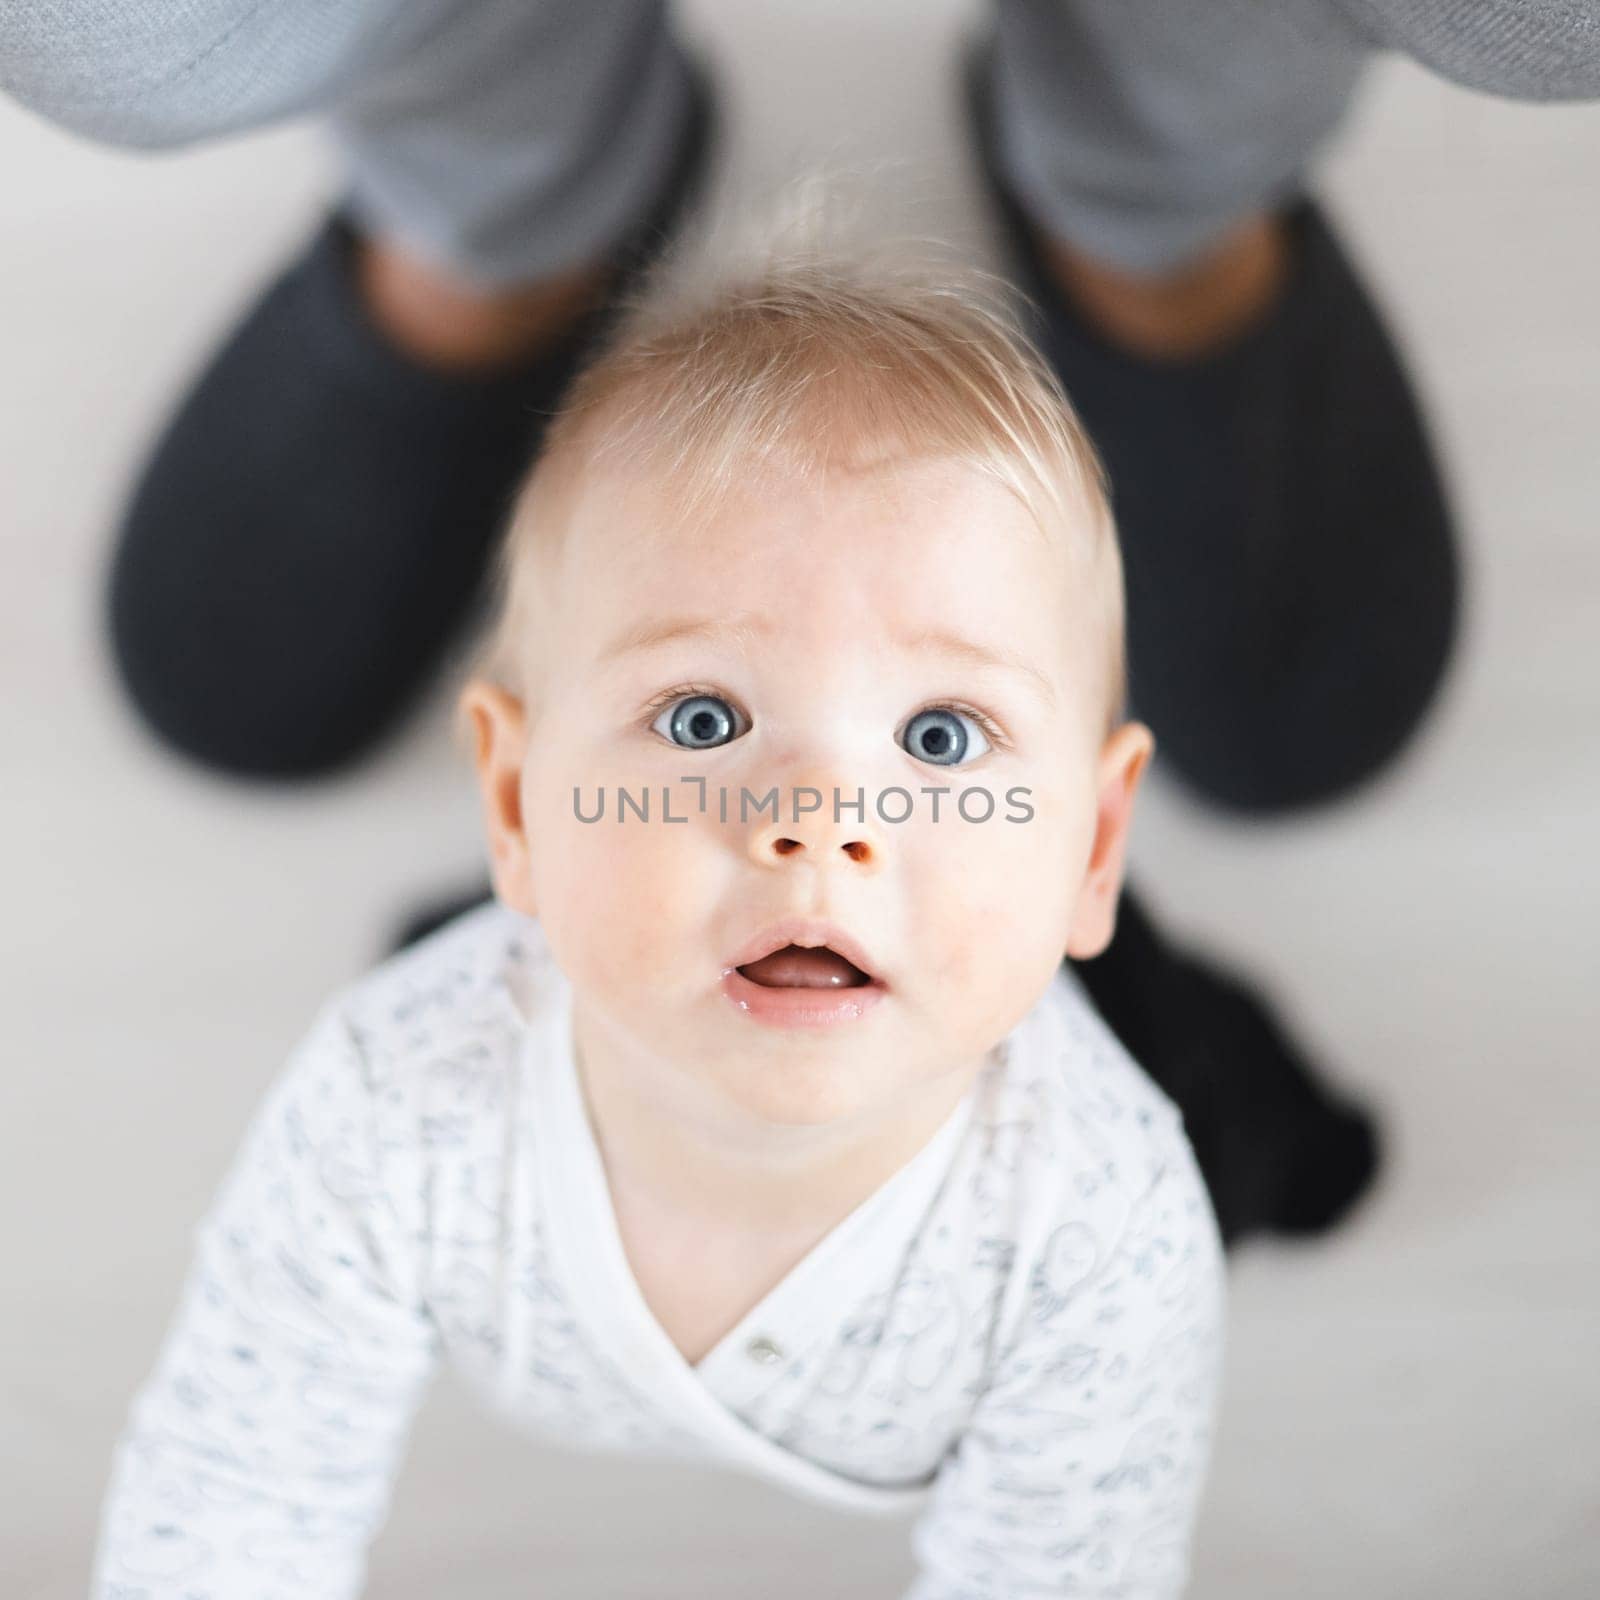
point(817, 1087)
point(878, 1071)
point(785, 1076)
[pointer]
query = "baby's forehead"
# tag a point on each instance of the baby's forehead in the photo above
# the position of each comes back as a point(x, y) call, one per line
point(842, 562)
point(910, 512)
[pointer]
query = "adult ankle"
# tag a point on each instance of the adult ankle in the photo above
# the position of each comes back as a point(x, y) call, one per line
point(446, 322)
point(1186, 312)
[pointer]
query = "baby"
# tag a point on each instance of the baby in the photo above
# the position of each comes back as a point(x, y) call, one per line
point(758, 1120)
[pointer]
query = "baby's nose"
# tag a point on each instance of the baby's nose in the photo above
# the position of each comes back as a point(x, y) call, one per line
point(820, 825)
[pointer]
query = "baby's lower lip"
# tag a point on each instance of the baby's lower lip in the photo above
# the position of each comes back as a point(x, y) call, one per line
point(800, 1008)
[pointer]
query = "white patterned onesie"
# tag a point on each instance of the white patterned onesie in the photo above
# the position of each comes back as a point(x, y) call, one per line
point(1020, 1332)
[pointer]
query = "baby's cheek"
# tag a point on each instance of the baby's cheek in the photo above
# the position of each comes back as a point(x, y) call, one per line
point(997, 893)
point(634, 896)
point(1035, 865)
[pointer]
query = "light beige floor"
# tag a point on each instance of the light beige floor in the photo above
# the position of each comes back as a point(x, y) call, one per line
point(1412, 1407)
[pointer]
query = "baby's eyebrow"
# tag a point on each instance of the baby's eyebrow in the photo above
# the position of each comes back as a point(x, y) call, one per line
point(738, 627)
point(741, 627)
point(944, 642)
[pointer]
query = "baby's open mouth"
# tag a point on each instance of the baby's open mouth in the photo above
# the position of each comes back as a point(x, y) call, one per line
point(800, 967)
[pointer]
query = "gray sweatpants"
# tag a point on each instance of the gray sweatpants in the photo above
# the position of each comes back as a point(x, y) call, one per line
point(511, 138)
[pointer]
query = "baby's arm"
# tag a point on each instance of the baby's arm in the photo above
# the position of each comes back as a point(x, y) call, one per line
point(1081, 1470)
point(259, 1456)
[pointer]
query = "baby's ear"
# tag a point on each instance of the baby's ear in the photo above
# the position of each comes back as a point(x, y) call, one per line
point(497, 723)
point(1123, 760)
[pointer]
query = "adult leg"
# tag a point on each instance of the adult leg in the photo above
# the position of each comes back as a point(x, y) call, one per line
point(1291, 571)
point(503, 139)
point(315, 522)
point(1524, 49)
point(1144, 133)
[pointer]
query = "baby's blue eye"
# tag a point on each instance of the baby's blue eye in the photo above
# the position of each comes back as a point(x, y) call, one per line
point(938, 736)
point(699, 722)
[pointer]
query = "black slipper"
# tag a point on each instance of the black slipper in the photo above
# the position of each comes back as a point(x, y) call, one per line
point(315, 524)
point(1280, 1153)
point(1293, 583)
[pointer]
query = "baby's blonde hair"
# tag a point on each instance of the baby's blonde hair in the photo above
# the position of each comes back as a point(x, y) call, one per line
point(791, 351)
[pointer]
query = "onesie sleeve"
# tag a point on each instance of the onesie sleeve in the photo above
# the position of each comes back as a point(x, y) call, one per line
point(1081, 1469)
point(258, 1459)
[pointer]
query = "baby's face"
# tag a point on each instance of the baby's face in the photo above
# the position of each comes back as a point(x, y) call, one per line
point(894, 631)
